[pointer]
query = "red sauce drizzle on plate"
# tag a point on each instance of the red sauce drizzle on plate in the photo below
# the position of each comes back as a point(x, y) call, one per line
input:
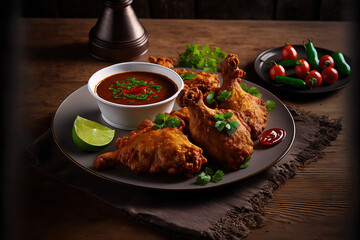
point(272, 136)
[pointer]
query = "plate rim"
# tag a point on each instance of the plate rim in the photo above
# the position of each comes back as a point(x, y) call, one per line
point(209, 186)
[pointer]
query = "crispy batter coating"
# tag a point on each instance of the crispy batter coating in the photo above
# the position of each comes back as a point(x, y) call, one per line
point(146, 150)
point(164, 61)
point(184, 118)
point(252, 109)
point(230, 151)
point(204, 81)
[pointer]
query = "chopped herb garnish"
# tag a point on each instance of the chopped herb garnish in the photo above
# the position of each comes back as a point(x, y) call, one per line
point(172, 122)
point(204, 58)
point(203, 179)
point(252, 90)
point(187, 76)
point(158, 87)
point(163, 120)
point(210, 98)
point(131, 96)
point(143, 96)
point(218, 176)
point(208, 175)
point(119, 84)
point(223, 122)
point(223, 96)
point(134, 89)
point(270, 104)
point(246, 163)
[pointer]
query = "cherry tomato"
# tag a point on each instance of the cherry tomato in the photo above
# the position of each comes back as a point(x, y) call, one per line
point(302, 68)
point(288, 53)
point(272, 136)
point(313, 79)
point(330, 75)
point(277, 70)
point(326, 61)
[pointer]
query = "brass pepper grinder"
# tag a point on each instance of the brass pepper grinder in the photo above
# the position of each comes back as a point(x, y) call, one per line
point(118, 34)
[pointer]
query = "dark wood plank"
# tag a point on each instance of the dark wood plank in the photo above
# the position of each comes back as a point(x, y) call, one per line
point(297, 10)
point(172, 9)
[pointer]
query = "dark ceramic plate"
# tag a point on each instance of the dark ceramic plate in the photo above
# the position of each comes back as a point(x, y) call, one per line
point(82, 103)
point(262, 70)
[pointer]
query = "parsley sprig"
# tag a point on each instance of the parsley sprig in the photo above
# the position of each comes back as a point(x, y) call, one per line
point(164, 120)
point(223, 122)
point(204, 58)
point(208, 175)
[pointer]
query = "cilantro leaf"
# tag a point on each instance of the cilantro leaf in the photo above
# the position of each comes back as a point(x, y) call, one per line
point(208, 175)
point(228, 114)
point(158, 126)
point(246, 163)
point(218, 176)
point(187, 76)
point(203, 179)
point(222, 121)
point(270, 105)
point(223, 96)
point(204, 58)
point(254, 91)
point(219, 125)
point(172, 122)
point(210, 98)
point(163, 120)
point(209, 171)
point(233, 126)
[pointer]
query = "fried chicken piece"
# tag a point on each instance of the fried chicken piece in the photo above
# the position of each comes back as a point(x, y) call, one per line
point(164, 61)
point(230, 151)
point(184, 118)
point(204, 81)
point(146, 150)
point(251, 108)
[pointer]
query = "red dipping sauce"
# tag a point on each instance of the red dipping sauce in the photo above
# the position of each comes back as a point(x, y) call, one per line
point(272, 136)
point(136, 88)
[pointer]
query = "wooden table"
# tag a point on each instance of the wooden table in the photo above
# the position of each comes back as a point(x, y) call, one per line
point(316, 204)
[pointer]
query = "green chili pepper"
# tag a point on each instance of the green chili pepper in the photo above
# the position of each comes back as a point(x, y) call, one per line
point(341, 63)
point(288, 63)
point(312, 54)
point(290, 81)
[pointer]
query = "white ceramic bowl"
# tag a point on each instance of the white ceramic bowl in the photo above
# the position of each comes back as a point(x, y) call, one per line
point(128, 117)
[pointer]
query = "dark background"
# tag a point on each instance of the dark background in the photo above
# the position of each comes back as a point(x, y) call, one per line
point(327, 10)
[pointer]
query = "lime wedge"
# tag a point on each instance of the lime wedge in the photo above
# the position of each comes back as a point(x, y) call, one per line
point(91, 136)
